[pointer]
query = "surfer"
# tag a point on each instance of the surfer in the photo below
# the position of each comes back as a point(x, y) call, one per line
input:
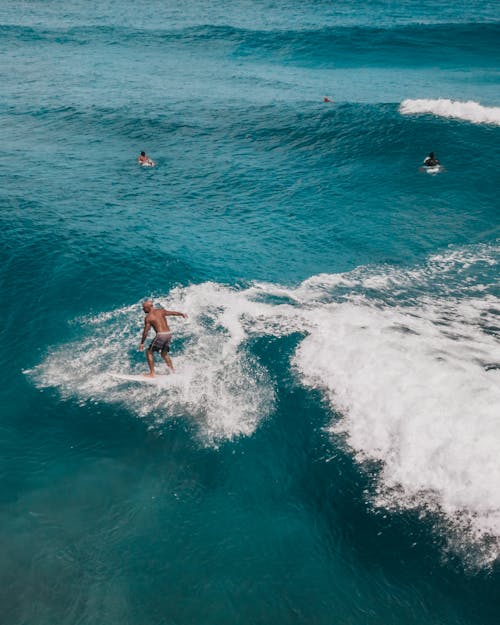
point(156, 318)
point(143, 159)
point(327, 99)
point(431, 160)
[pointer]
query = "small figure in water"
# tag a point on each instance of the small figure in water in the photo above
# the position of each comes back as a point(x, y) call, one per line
point(143, 159)
point(431, 160)
point(327, 99)
point(156, 318)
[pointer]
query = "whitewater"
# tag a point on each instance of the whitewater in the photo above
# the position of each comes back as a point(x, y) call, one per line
point(412, 378)
point(468, 111)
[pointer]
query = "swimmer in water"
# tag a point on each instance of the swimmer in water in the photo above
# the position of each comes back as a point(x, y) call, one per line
point(156, 318)
point(327, 99)
point(431, 160)
point(143, 159)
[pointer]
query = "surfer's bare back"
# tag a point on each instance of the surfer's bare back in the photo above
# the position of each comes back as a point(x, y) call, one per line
point(156, 318)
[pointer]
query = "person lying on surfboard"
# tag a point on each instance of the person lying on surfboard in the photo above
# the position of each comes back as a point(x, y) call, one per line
point(156, 318)
point(431, 160)
point(143, 159)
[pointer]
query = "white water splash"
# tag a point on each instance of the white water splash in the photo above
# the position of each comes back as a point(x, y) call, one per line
point(468, 111)
point(218, 385)
point(409, 361)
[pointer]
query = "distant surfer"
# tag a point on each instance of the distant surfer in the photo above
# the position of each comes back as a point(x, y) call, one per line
point(143, 159)
point(327, 99)
point(431, 160)
point(156, 318)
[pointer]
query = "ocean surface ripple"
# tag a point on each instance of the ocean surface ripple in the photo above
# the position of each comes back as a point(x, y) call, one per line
point(327, 450)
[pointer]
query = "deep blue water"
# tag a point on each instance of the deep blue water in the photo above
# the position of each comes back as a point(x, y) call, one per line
point(327, 451)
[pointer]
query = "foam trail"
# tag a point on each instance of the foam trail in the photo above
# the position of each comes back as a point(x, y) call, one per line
point(468, 111)
point(412, 391)
point(409, 360)
point(218, 386)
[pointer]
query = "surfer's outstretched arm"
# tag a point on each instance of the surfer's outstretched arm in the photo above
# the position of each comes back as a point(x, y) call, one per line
point(173, 313)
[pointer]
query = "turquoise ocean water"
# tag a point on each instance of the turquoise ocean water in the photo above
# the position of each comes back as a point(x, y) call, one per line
point(328, 452)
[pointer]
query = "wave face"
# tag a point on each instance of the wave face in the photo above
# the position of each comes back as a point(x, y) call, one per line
point(409, 362)
point(467, 111)
point(406, 45)
point(393, 61)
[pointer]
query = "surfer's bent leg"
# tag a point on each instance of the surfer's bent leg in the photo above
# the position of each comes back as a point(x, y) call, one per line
point(168, 360)
point(151, 363)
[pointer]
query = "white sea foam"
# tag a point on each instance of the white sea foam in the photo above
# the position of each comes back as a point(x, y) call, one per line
point(469, 111)
point(416, 387)
point(413, 391)
point(217, 385)
point(408, 359)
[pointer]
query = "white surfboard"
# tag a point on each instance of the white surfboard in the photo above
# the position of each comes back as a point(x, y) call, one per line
point(436, 169)
point(158, 380)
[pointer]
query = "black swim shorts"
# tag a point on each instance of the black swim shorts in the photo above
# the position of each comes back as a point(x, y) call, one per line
point(161, 342)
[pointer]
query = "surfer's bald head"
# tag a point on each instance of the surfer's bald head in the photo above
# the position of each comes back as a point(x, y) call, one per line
point(147, 305)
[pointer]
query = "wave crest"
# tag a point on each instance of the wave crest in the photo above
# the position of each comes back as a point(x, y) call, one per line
point(408, 359)
point(468, 111)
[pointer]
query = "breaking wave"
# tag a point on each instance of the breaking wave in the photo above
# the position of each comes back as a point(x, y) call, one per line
point(468, 111)
point(408, 359)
